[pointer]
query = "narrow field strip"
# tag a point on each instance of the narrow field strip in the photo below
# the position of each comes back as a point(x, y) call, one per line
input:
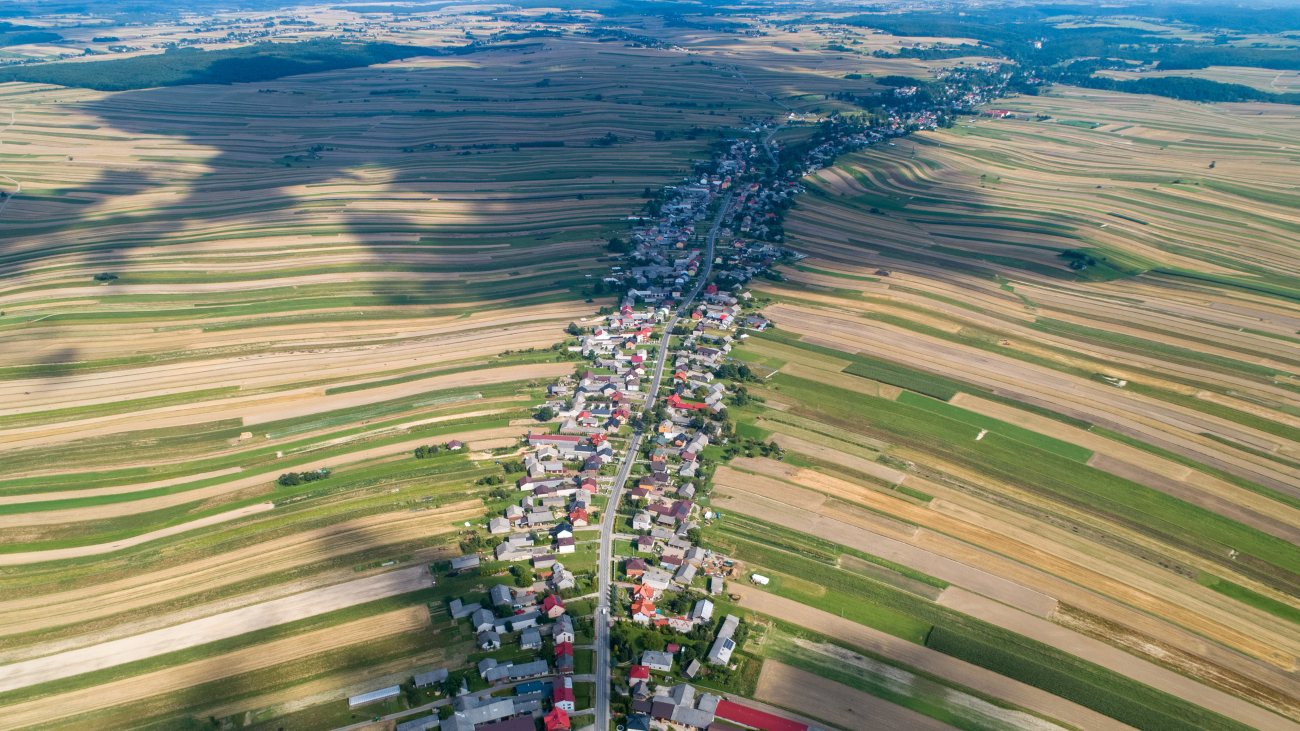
point(790, 687)
point(118, 490)
point(281, 554)
point(58, 554)
point(1111, 658)
point(209, 629)
point(927, 660)
point(213, 668)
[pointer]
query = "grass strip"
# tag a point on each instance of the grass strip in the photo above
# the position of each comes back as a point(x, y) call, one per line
point(1019, 433)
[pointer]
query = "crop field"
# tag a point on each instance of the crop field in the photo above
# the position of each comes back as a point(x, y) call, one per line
point(1114, 438)
point(1029, 405)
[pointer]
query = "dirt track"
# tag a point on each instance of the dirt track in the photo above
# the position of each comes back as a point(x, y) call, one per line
point(927, 660)
point(15, 559)
point(851, 708)
point(210, 629)
point(281, 554)
point(213, 668)
point(1113, 659)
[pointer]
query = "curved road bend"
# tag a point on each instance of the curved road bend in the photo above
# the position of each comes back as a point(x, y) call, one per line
point(604, 666)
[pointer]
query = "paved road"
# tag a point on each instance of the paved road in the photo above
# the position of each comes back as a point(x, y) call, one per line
point(604, 665)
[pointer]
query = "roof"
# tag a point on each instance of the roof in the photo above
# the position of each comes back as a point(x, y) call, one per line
point(374, 695)
point(639, 672)
point(758, 719)
point(431, 678)
point(556, 719)
point(522, 723)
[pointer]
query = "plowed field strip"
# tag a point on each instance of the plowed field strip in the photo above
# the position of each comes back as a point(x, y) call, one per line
point(210, 629)
point(1113, 659)
point(213, 668)
point(927, 660)
point(851, 708)
point(280, 554)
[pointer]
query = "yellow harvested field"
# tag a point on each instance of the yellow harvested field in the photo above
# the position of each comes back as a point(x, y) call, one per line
point(875, 469)
point(847, 707)
point(801, 510)
point(18, 615)
point(926, 660)
point(1120, 661)
point(213, 668)
point(1247, 639)
point(210, 629)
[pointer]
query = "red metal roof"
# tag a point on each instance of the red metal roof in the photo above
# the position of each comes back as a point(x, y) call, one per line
point(756, 718)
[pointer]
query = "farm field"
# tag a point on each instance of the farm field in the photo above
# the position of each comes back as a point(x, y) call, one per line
point(1018, 451)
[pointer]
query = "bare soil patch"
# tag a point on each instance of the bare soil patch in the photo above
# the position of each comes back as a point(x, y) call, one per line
point(839, 704)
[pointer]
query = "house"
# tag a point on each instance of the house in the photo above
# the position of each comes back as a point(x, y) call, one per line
point(703, 610)
point(638, 722)
point(529, 670)
point(562, 695)
point(715, 585)
point(543, 562)
point(522, 621)
point(565, 545)
point(661, 661)
point(488, 664)
point(464, 562)
point(656, 578)
point(460, 611)
point(530, 639)
point(720, 653)
point(489, 640)
point(634, 567)
point(643, 610)
point(564, 664)
point(556, 720)
point(563, 629)
point(639, 672)
point(552, 606)
point(578, 517)
point(514, 513)
point(693, 669)
point(685, 575)
point(641, 590)
point(562, 578)
point(563, 530)
point(645, 544)
point(641, 521)
point(501, 594)
point(563, 648)
point(455, 444)
point(498, 525)
point(482, 621)
point(437, 677)
point(695, 555)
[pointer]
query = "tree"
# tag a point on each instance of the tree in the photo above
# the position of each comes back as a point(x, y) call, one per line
point(546, 413)
point(573, 329)
point(523, 575)
point(653, 641)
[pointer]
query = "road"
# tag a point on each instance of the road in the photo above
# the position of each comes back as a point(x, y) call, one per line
point(604, 666)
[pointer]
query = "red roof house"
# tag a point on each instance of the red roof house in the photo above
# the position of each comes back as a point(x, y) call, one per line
point(556, 720)
point(639, 672)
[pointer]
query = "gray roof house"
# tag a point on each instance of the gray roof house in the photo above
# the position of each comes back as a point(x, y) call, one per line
point(661, 661)
point(460, 610)
point(703, 610)
point(489, 640)
point(530, 639)
point(482, 621)
point(498, 525)
point(424, 680)
point(720, 653)
point(464, 562)
point(500, 594)
point(685, 574)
